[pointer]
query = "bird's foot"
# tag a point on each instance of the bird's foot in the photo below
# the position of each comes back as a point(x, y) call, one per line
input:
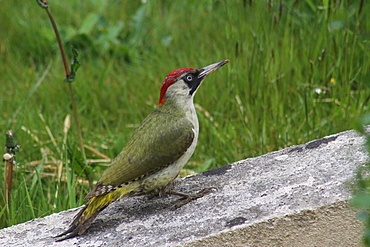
point(186, 198)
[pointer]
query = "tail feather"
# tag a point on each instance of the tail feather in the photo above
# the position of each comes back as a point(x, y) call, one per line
point(84, 218)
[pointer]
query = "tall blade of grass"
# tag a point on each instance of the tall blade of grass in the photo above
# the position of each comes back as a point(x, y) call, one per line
point(28, 198)
point(28, 96)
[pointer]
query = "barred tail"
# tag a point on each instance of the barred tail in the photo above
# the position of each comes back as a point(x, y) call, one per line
point(93, 207)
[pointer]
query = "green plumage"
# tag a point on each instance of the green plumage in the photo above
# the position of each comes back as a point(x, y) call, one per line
point(156, 152)
point(88, 213)
point(148, 150)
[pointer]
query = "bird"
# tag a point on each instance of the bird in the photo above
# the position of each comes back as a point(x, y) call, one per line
point(156, 152)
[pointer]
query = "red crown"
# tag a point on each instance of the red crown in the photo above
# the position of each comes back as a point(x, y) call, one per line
point(170, 79)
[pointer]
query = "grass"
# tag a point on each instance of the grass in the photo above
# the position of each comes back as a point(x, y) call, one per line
point(298, 71)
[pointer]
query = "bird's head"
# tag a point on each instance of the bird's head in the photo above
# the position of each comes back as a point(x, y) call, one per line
point(183, 83)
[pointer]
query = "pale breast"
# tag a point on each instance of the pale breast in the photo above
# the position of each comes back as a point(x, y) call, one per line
point(159, 180)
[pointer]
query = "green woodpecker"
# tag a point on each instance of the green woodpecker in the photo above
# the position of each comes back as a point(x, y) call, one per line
point(157, 151)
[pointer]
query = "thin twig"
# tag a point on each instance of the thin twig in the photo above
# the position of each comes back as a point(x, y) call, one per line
point(44, 5)
point(61, 47)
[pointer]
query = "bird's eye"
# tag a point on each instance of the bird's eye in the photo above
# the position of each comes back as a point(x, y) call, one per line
point(189, 77)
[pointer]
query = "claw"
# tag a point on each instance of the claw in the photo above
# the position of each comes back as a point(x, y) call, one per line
point(186, 198)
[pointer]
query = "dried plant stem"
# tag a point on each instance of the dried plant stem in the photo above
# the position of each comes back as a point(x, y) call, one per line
point(61, 47)
point(70, 88)
point(11, 146)
point(8, 184)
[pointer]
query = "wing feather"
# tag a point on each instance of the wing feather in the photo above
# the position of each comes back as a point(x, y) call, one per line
point(158, 141)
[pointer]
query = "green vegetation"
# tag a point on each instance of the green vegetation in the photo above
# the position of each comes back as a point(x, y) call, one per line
point(298, 71)
point(361, 190)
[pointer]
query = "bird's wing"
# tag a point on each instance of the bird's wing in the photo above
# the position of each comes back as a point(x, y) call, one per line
point(158, 141)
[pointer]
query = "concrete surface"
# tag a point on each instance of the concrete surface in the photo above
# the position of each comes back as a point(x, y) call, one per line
point(293, 197)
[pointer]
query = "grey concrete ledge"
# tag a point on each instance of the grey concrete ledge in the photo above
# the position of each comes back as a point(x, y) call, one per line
point(293, 197)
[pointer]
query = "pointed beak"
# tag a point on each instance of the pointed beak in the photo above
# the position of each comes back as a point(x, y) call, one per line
point(210, 68)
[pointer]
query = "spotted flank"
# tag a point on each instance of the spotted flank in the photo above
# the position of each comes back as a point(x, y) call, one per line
point(105, 189)
point(101, 190)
